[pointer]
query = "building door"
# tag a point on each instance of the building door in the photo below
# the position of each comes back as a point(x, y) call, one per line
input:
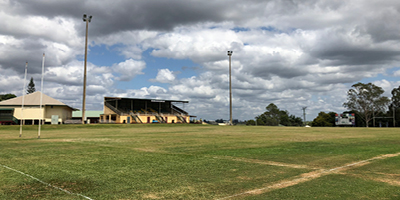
point(166, 119)
point(148, 119)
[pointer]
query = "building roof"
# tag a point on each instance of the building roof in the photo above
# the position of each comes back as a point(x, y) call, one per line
point(87, 113)
point(33, 99)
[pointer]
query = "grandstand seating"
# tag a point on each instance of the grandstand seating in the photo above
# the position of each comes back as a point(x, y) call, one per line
point(141, 110)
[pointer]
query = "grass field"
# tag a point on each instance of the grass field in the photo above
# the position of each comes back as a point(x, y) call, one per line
point(171, 161)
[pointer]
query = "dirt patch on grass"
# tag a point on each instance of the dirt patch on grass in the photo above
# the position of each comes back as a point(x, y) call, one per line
point(151, 196)
point(244, 178)
point(395, 182)
point(90, 140)
point(391, 179)
point(316, 174)
point(389, 155)
point(265, 162)
point(150, 150)
point(386, 174)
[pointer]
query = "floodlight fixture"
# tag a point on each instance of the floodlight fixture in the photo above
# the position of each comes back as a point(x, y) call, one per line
point(86, 18)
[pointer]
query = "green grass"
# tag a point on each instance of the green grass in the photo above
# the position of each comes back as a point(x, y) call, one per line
point(172, 161)
point(335, 187)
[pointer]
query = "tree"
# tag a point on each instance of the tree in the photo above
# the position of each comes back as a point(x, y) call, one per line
point(250, 122)
point(6, 96)
point(324, 119)
point(260, 120)
point(271, 117)
point(284, 118)
point(395, 105)
point(396, 97)
point(332, 117)
point(367, 100)
point(274, 117)
point(295, 121)
point(31, 87)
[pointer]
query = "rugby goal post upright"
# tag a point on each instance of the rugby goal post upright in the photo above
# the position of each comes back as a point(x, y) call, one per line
point(23, 101)
point(41, 99)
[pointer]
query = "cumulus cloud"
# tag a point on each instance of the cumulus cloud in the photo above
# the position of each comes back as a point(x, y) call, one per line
point(128, 69)
point(396, 73)
point(164, 76)
point(26, 37)
point(11, 82)
point(387, 86)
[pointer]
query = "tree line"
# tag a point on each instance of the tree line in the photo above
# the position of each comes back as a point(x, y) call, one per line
point(365, 100)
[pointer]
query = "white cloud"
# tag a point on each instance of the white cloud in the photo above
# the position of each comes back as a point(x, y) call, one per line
point(387, 86)
point(199, 45)
point(396, 73)
point(68, 75)
point(129, 43)
point(11, 82)
point(128, 69)
point(164, 76)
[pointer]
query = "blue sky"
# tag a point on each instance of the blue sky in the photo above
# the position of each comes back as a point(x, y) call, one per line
point(102, 55)
point(293, 54)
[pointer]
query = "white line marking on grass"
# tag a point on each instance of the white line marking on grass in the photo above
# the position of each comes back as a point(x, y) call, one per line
point(308, 176)
point(48, 184)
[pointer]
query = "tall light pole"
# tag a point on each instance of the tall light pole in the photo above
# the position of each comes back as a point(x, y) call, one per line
point(304, 115)
point(230, 88)
point(87, 20)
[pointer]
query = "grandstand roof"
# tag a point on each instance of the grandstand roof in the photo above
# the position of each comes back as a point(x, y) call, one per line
point(152, 100)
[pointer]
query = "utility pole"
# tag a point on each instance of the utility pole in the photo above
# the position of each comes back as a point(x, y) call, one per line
point(394, 115)
point(304, 115)
point(230, 88)
point(87, 20)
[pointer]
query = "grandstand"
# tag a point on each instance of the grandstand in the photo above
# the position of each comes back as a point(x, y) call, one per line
point(133, 110)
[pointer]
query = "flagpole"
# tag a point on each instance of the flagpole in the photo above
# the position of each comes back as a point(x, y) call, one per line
point(41, 98)
point(23, 101)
